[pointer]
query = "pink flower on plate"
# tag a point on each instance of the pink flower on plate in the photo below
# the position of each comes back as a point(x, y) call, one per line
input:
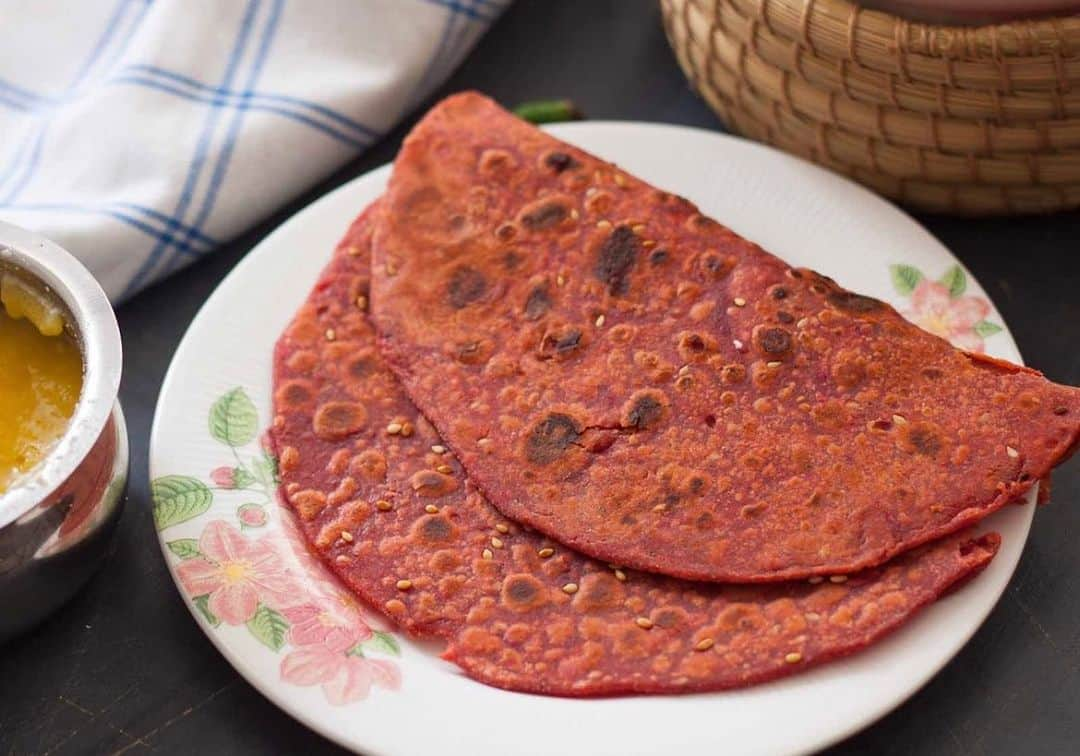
point(952, 318)
point(251, 515)
point(343, 678)
point(237, 574)
point(223, 477)
point(325, 633)
point(338, 627)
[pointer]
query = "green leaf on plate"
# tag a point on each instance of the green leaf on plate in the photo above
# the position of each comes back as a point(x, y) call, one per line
point(955, 281)
point(986, 329)
point(178, 498)
point(384, 643)
point(268, 627)
point(202, 603)
point(905, 278)
point(242, 478)
point(233, 419)
point(185, 548)
point(265, 469)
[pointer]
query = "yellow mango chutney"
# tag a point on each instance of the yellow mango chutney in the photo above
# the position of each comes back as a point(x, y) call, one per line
point(41, 375)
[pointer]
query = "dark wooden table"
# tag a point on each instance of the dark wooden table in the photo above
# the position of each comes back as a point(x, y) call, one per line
point(123, 668)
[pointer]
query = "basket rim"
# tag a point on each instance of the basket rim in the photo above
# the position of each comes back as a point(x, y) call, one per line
point(873, 153)
point(1032, 54)
point(859, 82)
point(891, 124)
point(961, 199)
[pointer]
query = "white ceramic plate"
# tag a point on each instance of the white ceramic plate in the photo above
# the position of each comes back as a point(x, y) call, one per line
point(333, 666)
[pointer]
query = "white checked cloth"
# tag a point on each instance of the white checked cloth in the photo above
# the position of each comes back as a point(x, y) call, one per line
point(141, 134)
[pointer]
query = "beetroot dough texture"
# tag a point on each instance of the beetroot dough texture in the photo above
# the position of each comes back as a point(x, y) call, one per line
point(391, 512)
point(640, 384)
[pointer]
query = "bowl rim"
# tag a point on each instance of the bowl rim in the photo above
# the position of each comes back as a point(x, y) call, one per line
point(102, 355)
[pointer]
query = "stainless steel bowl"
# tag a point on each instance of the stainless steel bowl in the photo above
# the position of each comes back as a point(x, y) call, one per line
point(56, 525)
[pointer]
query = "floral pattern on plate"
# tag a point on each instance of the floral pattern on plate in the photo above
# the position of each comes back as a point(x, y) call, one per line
point(830, 225)
point(942, 307)
point(269, 584)
point(272, 586)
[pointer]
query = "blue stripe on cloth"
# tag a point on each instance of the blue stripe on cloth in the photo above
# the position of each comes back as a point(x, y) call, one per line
point(99, 48)
point(461, 38)
point(170, 222)
point(433, 63)
point(21, 152)
point(456, 7)
point(221, 101)
point(259, 100)
point(121, 50)
point(88, 64)
point(134, 223)
point(17, 91)
point(452, 39)
point(225, 155)
point(104, 40)
point(28, 165)
point(115, 210)
point(451, 43)
point(12, 103)
point(201, 148)
point(255, 96)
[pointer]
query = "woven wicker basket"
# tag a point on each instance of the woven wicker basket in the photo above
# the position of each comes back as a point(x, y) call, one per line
point(966, 120)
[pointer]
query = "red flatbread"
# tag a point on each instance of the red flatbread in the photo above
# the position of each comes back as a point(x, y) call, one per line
point(645, 386)
point(391, 513)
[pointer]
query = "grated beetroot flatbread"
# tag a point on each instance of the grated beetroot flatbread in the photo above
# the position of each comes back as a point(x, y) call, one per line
point(390, 512)
point(640, 383)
